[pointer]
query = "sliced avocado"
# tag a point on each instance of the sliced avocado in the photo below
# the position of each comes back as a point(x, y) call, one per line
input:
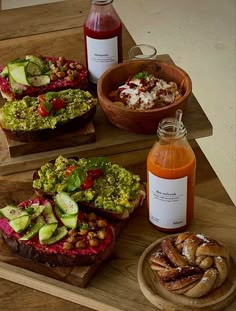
point(59, 234)
point(48, 213)
point(66, 204)
point(69, 220)
point(46, 231)
point(21, 223)
point(34, 229)
point(35, 210)
point(11, 212)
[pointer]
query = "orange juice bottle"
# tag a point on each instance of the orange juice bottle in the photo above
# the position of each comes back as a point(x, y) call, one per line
point(171, 166)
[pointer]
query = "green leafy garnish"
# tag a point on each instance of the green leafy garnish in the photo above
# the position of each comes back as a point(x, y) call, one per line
point(141, 75)
point(50, 95)
point(76, 178)
point(83, 226)
point(99, 162)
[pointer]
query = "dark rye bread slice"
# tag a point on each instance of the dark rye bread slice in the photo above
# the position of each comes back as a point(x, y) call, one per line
point(44, 134)
point(55, 255)
point(89, 207)
point(79, 82)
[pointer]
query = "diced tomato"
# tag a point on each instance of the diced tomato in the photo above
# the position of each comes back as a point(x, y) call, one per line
point(70, 169)
point(95, 173)
point(88, 183)
point(58, 103)
point(42, 110)
point(41, 98)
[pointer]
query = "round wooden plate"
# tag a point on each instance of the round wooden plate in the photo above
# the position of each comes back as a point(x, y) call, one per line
point(165, 300)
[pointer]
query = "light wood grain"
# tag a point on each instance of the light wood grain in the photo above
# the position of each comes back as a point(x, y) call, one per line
point(115, 286)
point(57, 16)
point(80, 137)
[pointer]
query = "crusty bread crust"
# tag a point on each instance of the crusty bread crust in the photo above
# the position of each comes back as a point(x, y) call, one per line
point(58, 259)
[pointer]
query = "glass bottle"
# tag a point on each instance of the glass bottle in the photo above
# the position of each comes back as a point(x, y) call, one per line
point(103, 38)
point(171, 166)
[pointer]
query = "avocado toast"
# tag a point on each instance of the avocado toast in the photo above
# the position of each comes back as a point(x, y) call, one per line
point(55, 232)
point(49, 114)
point(95, 184)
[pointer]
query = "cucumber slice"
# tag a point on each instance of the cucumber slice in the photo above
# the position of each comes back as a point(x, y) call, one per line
point(46, 232)
point(48, 214)
point(34, 59)
point(66, 204)
point(4, 72)
point(34, 229)
point(69, 220)
point(19, 75)
point(59, 234)
point(33, 69)
point(39, 80)
point(35, 210)
point(11, 212)
point(21, 223)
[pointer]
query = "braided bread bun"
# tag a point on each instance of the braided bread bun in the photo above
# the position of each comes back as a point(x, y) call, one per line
point(191, 264)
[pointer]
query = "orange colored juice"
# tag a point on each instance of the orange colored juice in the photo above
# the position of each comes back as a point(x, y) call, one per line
point(170, 188)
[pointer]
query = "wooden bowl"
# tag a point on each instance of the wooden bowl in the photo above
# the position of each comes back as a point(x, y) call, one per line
point(142, 122)
point(163, 299)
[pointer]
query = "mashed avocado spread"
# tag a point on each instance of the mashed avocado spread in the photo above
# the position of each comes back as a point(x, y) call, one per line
point(24, 114)
point(113, 190)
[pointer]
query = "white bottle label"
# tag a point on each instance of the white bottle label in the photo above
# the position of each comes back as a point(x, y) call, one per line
point(101, 54)
point(167, 201)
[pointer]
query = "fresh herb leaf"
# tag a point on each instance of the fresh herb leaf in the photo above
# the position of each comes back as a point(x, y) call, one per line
point(50, 95)
point(84, 226)
point(30, 210)
point(141, 75)
point(76, 178)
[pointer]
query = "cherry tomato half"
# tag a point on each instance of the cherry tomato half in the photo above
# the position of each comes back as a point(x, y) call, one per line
point(95, 173)
point(58, 103)
point(88, 183)
point(42, 110)
point(70, 169)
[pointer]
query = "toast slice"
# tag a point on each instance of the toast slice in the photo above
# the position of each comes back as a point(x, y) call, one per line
point(90, 241)
point(48, 115)
point(114, 193)
point(37, 75)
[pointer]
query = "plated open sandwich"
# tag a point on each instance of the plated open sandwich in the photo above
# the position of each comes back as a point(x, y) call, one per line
point(55, 232)
point(34, 75)
point(95, 184)
point(48, 115)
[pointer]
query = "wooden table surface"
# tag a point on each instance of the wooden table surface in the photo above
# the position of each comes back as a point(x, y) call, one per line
point(56, 29)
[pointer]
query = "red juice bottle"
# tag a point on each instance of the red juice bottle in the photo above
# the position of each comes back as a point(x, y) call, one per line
point(103, 38)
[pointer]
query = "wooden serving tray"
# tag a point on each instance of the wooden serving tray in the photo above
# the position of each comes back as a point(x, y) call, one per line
point(114, 286)
point(165, 300)
point(80, 137)
point(109, 139)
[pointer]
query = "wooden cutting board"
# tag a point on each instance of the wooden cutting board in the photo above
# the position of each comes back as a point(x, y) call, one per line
point(114, 286)
point(80, 137)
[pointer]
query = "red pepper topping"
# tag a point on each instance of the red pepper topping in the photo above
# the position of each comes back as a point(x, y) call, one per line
point(70, 169)
point(95, 173)
point(58, 103)
point(88, 183)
